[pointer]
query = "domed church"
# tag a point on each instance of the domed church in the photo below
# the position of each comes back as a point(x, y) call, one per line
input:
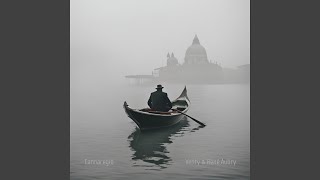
point(196, 53)
point(196, 67)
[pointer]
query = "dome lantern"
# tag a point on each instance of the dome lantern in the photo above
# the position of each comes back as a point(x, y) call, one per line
point(196, 40)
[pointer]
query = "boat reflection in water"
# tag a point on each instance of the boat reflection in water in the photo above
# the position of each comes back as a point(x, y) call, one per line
point(150, 147)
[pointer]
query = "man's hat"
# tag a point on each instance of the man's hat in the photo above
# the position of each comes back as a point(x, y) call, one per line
point(159, 86)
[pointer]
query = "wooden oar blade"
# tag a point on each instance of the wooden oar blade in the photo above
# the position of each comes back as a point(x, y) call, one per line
point(202, 124)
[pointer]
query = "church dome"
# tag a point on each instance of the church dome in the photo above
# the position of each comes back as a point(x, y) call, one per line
point(196, 49)
point(196, 53)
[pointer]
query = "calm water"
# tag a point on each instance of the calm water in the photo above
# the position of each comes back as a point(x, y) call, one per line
point(100, 130)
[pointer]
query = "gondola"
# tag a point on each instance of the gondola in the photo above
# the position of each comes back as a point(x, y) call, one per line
point(147, 119)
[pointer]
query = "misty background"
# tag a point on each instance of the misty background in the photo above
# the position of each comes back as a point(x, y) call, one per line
point(114, 38)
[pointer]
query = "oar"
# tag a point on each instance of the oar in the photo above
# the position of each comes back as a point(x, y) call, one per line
point(190, 117)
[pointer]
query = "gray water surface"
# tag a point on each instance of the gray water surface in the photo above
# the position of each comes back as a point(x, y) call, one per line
point(100, 130)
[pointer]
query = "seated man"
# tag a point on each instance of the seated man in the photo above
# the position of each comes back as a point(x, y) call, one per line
point(159, 100)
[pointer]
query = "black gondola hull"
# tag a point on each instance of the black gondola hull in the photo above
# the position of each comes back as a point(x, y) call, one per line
point(146, 120)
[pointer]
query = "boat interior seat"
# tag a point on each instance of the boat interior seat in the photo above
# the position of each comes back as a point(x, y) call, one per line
point(181, 108)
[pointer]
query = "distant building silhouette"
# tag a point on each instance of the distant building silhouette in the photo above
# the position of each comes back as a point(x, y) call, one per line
point(196, 68)
point(172, 61)
point(196, 53)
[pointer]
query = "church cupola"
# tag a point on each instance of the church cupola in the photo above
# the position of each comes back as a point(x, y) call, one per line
point(196, 53)
point(196, 40)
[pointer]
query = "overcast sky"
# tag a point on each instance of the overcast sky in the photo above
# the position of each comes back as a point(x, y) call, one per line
point(120, 37)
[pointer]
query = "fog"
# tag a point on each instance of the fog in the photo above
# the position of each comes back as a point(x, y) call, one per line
point(114, 38)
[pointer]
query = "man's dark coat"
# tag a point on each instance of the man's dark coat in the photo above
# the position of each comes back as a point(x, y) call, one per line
point(159, 101)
